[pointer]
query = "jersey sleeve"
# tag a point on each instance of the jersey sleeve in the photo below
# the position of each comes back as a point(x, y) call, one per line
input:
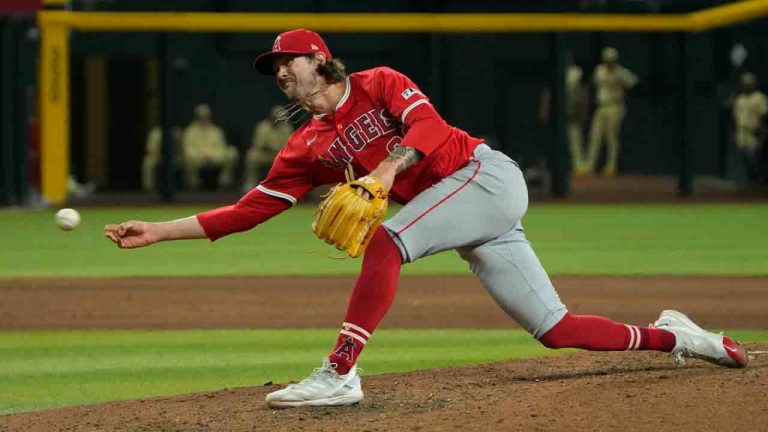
point(288, 181)
point(290, 177)
point(425, 129)
point(252, 209)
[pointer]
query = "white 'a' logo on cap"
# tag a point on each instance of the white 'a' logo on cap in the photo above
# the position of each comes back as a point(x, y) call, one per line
point(276, 46)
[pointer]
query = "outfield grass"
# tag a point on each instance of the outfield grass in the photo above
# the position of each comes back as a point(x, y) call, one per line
point(54, 369)
point(51, 369)
point(652, 239)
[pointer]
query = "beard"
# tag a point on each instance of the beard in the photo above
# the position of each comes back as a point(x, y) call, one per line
point(299, 92)
point(300, 95)
point(290, 91)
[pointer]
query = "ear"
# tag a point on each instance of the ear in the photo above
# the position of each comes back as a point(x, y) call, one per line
point(320, 57)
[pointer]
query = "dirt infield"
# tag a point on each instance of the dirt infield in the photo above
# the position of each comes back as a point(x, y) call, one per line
point(583, 391)
point(422, 302)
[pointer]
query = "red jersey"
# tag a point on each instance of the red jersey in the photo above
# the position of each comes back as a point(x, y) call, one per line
point(380, 110)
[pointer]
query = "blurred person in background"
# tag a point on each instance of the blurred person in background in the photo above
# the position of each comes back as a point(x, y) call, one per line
point(611, 81)
point(204, 145)
point(749, 109)
point(79, 190)
point(269, 136)
point(576, 112)
point(154, 154)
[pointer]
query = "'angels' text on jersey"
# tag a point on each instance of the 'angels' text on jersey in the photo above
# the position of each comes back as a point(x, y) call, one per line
point(368, 127)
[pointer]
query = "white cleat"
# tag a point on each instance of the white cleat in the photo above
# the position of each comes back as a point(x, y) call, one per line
point(693, 341)
point(324, 387)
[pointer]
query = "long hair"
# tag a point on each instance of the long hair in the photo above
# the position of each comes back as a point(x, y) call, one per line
point(333, 71)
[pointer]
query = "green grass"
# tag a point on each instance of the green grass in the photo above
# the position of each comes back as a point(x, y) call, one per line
point(54, 369)
point(653, 239)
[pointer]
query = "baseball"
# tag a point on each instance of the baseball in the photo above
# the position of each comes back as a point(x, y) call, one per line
point(67, 219)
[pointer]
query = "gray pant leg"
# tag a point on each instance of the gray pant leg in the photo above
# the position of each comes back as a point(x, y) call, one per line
point(476, 204)
point(477, 211)
point(514, 277)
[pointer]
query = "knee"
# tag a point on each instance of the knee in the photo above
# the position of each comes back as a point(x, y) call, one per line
point(381, 238)
point(383, 245)
point(562, 335)
point(551, 341)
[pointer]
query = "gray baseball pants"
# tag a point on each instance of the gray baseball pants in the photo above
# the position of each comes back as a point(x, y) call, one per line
point(477, 211)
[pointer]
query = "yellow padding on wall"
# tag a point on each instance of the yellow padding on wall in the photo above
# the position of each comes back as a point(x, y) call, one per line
point(364, 23)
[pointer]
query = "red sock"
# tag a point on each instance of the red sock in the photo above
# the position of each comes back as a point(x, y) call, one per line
point(373, 295)
point(596, 333)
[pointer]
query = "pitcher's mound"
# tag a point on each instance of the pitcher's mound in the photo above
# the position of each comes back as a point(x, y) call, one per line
point(637, 391)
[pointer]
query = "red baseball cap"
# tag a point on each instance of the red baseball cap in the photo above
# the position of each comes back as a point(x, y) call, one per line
point(298, 41)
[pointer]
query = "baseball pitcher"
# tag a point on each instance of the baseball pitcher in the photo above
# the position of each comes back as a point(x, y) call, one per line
point(457, 193)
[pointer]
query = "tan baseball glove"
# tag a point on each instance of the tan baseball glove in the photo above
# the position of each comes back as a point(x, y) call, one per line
point(346, 219)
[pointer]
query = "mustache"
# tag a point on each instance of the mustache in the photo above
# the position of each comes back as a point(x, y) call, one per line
point(285, 82)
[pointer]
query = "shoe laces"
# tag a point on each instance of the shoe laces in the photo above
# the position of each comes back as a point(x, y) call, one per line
point(320, 372)
point(327, 370)
point(678, 358)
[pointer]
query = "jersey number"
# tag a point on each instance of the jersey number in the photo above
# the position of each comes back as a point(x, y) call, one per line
point(393, 144)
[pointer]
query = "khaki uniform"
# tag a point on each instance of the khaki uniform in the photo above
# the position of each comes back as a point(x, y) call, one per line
point(268, 139)
point(205, 145)
point(152, 157)
point(576, 112)
point(748, 111)
point(606, 123)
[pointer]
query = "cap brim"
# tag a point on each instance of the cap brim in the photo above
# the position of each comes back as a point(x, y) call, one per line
point(263, 63)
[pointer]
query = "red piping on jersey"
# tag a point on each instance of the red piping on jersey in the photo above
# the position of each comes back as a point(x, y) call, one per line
point(474, 174)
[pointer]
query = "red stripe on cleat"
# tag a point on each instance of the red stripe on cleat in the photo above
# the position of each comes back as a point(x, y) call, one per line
point(736, 352)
